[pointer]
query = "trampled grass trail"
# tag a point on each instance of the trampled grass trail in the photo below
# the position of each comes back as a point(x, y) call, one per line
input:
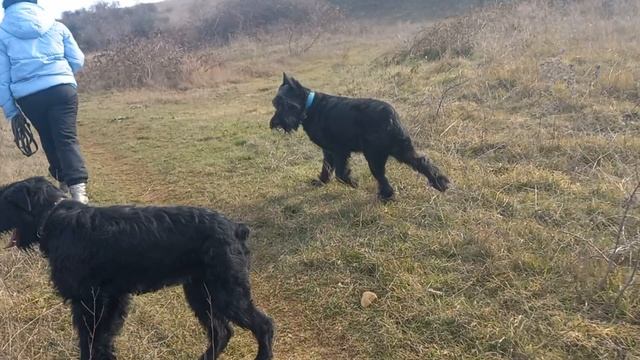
point(213, 148)
point(125, 178)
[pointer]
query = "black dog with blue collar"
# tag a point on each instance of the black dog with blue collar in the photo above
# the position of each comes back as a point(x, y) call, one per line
point(342, 126)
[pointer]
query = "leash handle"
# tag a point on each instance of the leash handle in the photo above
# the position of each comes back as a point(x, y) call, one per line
point(23, 135)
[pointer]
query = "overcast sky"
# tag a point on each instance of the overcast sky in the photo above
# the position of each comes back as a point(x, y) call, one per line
point(58, 6)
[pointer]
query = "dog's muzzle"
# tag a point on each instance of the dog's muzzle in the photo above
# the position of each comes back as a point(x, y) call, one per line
point(15, 238)
point(274, 123)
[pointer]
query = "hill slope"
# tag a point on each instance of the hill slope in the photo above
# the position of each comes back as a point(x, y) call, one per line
point(180, 11)
point(537, 122)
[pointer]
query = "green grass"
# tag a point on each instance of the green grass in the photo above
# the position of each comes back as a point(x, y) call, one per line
point(499, 247)
point(501, 267)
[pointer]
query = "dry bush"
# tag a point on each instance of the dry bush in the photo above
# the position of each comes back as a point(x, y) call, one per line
point(322, 18)
point(220, 24)
point(455, 38)
point(105, 23)
point(534, 51)
point(163, 62)
point(136, 63)
point(193, 55)
point(549, 39)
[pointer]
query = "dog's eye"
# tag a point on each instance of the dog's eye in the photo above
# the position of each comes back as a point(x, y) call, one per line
point(292, 106)
point(279, 103)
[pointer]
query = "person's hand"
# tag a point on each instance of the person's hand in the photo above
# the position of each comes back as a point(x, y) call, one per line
point(17, 119)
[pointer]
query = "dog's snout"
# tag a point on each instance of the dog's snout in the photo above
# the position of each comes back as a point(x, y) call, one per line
point(273, 123)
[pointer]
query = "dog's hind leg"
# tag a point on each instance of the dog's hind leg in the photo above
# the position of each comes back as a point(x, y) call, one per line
point(377, 164)
point(233, 301)
point(405, 153)
point(343, 172)
point(98, 319)
point(218, 329)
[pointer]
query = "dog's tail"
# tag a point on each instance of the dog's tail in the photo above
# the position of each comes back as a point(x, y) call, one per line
point(407, 154)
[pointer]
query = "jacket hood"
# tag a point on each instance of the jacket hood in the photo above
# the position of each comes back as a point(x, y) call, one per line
point(26, 21)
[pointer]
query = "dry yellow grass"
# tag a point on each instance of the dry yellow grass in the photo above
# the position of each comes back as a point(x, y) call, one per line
point(541, 136)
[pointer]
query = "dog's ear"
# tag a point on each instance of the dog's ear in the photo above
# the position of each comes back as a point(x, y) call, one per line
point(291, 81)
point(295, 84)
point(19, 196)
point(285, 78)
point(242, 232)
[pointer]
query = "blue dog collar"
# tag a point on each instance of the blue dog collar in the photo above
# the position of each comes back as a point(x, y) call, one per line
point(310, 98)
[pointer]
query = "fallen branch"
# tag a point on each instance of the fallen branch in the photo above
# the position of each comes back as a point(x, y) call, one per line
point(445, 93)
point(629, 282)
point(611, 263)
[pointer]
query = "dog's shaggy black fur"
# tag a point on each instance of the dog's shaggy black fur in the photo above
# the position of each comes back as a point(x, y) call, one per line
point(100, 256)
point(341, 126)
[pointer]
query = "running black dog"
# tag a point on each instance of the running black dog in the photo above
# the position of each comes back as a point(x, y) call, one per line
point(341, 126)
point(100, 256)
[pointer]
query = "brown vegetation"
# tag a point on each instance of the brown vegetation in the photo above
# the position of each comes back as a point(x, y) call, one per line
point(178, 57)
point(532, 256)
point(105, 24)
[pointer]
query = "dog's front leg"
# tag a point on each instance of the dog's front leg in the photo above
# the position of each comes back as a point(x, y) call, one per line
point(328, 167)
point(97, 320)
point(343, 172)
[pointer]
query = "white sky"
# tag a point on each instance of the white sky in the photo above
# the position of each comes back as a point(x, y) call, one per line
point(58, 6)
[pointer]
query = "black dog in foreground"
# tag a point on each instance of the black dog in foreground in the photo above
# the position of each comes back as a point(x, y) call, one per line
point(341, 126)
point(99, 256)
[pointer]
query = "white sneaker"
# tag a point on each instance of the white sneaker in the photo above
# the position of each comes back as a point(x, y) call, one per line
point(79, 193)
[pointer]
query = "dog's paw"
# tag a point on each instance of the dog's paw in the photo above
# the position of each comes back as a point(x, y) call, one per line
point(349, 182)
point(441, 183)
point(317, 183)
point(386, 195)
point(387, 198)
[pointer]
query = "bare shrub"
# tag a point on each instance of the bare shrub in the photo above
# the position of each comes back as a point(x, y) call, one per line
point(136, 63)
point(624, 250)
point(192, 56)
point(322, 18)
point(220, 24)
point(105, 23)
point(454, 38)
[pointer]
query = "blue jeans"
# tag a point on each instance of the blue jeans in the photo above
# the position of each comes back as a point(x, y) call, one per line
point(53, 112)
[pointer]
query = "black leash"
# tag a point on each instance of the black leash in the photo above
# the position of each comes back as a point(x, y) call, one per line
point(23, 135)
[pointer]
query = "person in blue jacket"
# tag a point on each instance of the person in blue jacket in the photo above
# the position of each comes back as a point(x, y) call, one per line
point(38, 61)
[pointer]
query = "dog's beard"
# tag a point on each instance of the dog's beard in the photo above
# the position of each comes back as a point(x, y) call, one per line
point(290, 125)
point(285, 129)
point(287, 123)
point(20, 239)
point(14, 238)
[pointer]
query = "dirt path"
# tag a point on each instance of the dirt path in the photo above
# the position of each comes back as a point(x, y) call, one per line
point(121, 180)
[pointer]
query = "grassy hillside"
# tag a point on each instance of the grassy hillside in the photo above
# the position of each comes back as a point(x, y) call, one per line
point(178, 12)
point(537, 122)
point(403, 9)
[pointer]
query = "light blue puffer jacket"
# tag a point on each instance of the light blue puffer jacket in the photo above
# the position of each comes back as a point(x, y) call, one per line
point(36, 53)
